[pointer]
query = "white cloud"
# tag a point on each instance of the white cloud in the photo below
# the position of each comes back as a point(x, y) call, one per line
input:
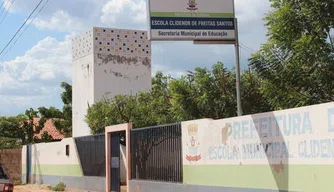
point(60, 21)
point(48, 59)
point(33, 79)
point(124, 13)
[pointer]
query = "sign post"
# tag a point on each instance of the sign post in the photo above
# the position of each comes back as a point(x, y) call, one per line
point(237, 68)
point(200, 21)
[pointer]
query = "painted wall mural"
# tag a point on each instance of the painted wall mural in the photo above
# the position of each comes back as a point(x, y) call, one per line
point(280, 146)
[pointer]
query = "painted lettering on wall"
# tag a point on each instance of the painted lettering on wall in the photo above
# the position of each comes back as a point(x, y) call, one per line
point(298, 136)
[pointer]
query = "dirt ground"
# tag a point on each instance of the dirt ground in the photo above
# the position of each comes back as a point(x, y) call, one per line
point(46, 188)
point(39, 188)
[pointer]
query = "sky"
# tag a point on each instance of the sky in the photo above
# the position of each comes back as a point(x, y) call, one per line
point(34, 65)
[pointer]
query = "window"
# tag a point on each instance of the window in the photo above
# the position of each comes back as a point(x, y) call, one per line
point(67, 150)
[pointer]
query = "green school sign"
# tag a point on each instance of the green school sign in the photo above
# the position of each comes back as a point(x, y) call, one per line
point(190, 20)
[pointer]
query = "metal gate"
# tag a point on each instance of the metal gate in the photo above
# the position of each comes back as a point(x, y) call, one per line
point(156, 153)
point(115, 162)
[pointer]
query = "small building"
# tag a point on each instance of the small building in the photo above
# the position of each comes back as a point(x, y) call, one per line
point(107, 62)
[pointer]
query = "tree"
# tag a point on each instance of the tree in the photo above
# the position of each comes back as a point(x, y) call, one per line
point(22, 129)
point(143, 109)
point(212, 94)
point(62, 120)
point(10, 143)
point(296, 64)
point(30, 126)
point(10, 134)
point(199, 94)
point(9, 127)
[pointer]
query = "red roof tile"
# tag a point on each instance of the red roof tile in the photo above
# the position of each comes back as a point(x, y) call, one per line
point(50, 129)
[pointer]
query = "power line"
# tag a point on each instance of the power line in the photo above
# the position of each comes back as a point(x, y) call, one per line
point(3, 5)
point(32, 20)
point(6, 12)
point(21, 27)
point(250, 49)
point(242, 47)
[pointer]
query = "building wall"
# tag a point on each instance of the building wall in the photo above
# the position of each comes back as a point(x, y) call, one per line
point(11, 160)
point(290, 150)
point(122, 62)
point(82, 81)
point(107, 62)
point(50, 159)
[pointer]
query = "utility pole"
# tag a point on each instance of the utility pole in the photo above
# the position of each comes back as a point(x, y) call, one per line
point(237, 69)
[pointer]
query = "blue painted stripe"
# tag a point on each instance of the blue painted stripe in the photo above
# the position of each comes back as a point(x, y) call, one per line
point(184, 23)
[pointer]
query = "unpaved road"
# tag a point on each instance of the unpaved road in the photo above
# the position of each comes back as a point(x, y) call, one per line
point(39, 188)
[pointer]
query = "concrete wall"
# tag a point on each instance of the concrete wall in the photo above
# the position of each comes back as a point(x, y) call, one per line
point(150, 186)
point(50, 159)
point(82, 81)
point(51, 165)
point(107, 62)
point(11, 160)
point(290, 150)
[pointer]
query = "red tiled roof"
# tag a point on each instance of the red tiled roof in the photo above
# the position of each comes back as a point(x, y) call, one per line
point(50, 129)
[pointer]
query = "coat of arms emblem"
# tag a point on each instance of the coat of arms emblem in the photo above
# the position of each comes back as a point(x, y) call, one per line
point(193, 144)
point(192, 5)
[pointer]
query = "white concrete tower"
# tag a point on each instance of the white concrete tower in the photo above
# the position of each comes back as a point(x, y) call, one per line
point(107, 61)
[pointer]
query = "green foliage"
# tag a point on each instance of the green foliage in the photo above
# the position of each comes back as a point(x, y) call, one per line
point(296, 65)
point(143, 109)
point(59, 187)
point(10, 143)
point(17, 182)
point(200, 94)
point(30, 127)
point(212, 94)
point(21, 130)
point(9, 127)
point(62, 120)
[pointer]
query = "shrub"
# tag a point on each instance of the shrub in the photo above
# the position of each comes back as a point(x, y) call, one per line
point(59, 187)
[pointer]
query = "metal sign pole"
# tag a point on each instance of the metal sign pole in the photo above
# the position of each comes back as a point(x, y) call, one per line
point(237, 69)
